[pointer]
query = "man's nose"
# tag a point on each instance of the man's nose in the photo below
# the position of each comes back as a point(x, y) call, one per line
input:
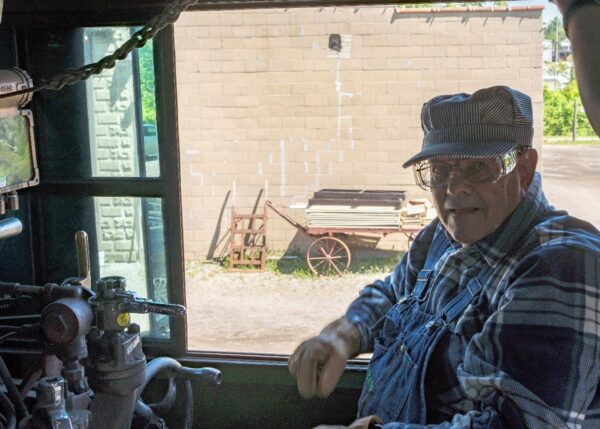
point(458, 184)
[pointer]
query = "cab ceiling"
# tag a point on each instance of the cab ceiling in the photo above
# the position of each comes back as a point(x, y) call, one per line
point(77, 13)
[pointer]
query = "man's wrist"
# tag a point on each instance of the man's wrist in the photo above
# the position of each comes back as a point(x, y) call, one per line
point(346, 331)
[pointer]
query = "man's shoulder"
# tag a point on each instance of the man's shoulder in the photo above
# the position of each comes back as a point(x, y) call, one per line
point(559, 247)
point(560, 230)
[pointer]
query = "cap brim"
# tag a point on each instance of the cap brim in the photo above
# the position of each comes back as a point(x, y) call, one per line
point(461, 150)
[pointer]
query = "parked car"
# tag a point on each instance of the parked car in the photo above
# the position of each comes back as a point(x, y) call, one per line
point(150, 142)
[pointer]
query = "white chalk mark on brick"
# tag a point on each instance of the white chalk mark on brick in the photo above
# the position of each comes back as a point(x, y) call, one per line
point(341, 94)
point(282, 165)
point(318, 173)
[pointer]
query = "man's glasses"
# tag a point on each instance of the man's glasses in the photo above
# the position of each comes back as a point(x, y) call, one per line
point(434, 173)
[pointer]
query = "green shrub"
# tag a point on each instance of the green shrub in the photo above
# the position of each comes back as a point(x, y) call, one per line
point(558, 112)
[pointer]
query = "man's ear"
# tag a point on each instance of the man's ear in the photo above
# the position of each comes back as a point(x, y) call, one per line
point(526, 167)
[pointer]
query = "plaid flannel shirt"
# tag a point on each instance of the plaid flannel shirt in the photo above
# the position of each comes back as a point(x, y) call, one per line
point(526, 353)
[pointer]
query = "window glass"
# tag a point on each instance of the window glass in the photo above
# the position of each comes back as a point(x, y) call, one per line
point(286, 104)
point(131, 244)
point(121, 108)
point(145, 58)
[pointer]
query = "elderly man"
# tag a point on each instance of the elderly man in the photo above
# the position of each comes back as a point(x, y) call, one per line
point(491, 319)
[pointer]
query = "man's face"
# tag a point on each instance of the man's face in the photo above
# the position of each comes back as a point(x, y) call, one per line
point(471, 211)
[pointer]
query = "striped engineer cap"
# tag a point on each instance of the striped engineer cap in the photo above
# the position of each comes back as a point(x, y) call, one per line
point(489, 122)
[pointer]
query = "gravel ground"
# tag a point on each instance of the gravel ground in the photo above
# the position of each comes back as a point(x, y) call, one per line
point(262, 312)
point(571, 179)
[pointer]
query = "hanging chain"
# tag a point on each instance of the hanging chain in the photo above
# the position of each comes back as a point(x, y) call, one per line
point(57, 82)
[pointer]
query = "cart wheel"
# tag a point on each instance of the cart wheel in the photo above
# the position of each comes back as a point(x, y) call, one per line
point(328, 255)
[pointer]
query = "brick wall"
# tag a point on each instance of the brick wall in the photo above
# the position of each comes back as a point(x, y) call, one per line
point(111, 113)
point(266, 109)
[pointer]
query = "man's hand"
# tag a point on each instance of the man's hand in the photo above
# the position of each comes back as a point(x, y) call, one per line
point(331, 427)
point(362, 423)
point(318, 363)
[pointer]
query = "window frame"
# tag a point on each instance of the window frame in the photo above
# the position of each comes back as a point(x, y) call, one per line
point(77, 15)
point(81, 184)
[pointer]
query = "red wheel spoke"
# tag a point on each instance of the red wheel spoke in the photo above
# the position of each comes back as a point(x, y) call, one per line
point(336, 268)
point(320, 262)
point(324, 252)
point(328, 255)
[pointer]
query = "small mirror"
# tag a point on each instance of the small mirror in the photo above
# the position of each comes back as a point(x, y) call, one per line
point(18, 166)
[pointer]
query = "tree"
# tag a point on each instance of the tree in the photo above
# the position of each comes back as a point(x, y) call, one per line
point(147, 82)
point(554, 31)
point(558, 112)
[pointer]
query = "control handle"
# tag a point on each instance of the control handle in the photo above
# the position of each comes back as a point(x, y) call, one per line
point(140, 305)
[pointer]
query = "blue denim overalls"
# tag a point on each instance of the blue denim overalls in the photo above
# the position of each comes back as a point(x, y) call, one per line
point(394, 388)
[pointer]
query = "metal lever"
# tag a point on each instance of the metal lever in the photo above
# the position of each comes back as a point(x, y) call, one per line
point(140, 305)
point(10, 227)
point(113, 303)
point(83, 259)
point(205, 375)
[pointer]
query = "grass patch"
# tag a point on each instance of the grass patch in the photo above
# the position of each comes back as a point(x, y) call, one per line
point(568, 141)
point(298, 267)
point(193, 268)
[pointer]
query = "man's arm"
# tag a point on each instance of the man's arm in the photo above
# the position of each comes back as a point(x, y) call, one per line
point(584, 33)
point(319, 362)
point(375, 300)
point(535, 363)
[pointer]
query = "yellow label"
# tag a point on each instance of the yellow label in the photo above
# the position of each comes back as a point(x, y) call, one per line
point(123, 319)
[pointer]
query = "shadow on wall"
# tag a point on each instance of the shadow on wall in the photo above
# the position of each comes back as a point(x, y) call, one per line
point(426, 13)
point(219, 244)
point(248, 239)
point(216, 242)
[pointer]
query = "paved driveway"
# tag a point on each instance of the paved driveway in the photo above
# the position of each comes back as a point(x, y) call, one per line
point(571, 179)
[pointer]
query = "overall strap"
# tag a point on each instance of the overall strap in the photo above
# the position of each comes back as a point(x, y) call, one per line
point(461, 301)
point(436, 250)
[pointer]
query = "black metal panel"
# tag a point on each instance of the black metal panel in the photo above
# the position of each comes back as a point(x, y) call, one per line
point(61, 116)
point(16, 254)
point(262, 394)
point(135, 12)
point(8, 48)
point(59, 219)
point(107, 187)
point(63, 151)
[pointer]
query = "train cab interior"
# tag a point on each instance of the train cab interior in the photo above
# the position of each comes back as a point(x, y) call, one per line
point(84, 345)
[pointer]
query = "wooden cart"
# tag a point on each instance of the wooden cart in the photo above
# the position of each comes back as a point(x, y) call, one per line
point(328, 254)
